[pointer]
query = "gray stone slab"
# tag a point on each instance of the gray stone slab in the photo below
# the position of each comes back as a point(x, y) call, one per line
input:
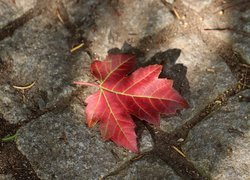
point(234, 25)
point(220, 144)
point(197, 5)
point(136, 20)
point(6, 177)
point(59, 146)
point(207, 74)
point(243, 48)
point(80, 11)
point(11, 10)
point(38, 52)
point(241, 43)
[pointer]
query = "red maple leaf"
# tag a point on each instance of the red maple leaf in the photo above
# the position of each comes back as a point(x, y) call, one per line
point(120, 95)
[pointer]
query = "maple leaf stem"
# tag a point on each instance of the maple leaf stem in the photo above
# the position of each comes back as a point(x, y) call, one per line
point(87, 84)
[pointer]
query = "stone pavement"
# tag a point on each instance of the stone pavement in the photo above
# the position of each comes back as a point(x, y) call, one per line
point(208, 140)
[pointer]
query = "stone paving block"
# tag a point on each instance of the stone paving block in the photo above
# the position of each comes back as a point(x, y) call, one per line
point(204, 68)
point(11, 10)
point(243, 48)
point(197, 5)
point(60, 146)
point(46, 46)
point(236, 25)
point(36, 53)
point(6, 177)
point(207, 74)
point(80, 11)
point(220, 144)
point(135, 20)
point(242, 45)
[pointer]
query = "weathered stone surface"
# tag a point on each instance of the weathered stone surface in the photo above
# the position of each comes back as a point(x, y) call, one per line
point(11, 10)
point(197, 5)
point(45, 45)
point(81, 11)
point(232, 27)
point(207, 74)
point(6, 177)
point(130, 21)
point(170, 1)
point(36, 53)
point(246, 14)
point(242, 43)
point(220, 145)
point(59, 146)
point(146, 141)
point(147, 168)
point(243, 48)
point(215, 21)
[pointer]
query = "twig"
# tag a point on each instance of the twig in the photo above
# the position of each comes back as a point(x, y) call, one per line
point(233, 5)
point(25, 87)
point(172, 8)
point(227, 29)
point(76, 47)
point(179, 151)
point(59, 16)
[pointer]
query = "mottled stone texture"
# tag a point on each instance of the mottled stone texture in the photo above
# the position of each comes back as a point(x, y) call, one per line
point(11, 10)
point(53, 135)
point(220, 144)
point(72, 150)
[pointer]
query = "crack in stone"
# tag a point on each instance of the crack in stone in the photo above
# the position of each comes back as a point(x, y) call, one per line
point(182, 131)
point(12, 26)
point(126, 164)
point(163, 141)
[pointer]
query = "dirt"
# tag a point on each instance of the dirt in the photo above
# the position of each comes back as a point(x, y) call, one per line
point(12, 162)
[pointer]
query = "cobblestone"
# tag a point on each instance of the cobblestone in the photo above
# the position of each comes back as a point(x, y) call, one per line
point(11, 10)
point(53, 135)
point(220, 144)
